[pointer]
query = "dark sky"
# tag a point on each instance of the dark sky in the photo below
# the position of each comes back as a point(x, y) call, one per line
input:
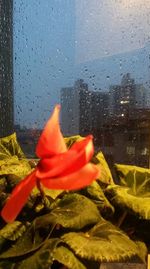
point(57, 41)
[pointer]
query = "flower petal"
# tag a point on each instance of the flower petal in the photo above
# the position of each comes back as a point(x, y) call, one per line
point(73, 181)
point(69, 162)
point(18, 198)
point(51, 141)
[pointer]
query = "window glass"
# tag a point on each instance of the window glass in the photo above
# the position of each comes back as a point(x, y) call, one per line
point(92, 57)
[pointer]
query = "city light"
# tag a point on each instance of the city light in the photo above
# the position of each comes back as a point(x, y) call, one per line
point(124, 102)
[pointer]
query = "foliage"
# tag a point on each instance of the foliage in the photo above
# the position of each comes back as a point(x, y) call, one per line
point(73, 211)
point(72, 139)
point(133, 193)
point(68, 258)
point(104, 242)
point(96, 194)
point(106, 176)
point(12, 231)
point(13, 163)
point(9, 147)
point(76, 229)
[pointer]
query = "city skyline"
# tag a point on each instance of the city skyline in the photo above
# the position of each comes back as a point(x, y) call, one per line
point(85, 109)
point(118, 119)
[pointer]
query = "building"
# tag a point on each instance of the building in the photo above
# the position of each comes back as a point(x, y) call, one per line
point(69, 111)
point(75, 111)
point(127, 97)
point(142, 98)
point(84, 98)
point(99, 112)
point(6, 67)
point(123, 97)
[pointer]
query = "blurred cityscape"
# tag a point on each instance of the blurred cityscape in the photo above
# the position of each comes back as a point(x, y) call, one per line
point(119, 119)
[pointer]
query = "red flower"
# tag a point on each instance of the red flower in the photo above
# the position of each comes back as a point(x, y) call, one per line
point(58, 167)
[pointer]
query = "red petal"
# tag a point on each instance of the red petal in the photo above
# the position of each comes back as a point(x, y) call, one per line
point(74, 181)
point(68, 162)
point(18, 198)
point(51, 141)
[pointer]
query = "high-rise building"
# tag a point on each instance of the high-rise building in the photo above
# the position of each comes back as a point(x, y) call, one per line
point(83, 111)
point(126, 97)
point(69, 111)
point(99, 109)
point(84, 97)
point(6, 67)
point(75, 112)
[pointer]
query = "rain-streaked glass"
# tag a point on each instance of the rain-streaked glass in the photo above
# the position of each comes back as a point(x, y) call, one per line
point(92, 57)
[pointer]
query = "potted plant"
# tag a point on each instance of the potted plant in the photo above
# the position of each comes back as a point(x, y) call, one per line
point(67, 210)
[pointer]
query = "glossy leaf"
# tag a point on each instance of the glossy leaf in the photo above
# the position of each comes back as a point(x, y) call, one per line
point(9, 146)
point(143, 251)
point(95, 192)
point(25, 245)
point(42, 258)
point(105, 176)
point(13, 231)
point(103, 243)
point(48, 192)
point(13, 166)
point(133, 177)
point(73, 211)
point(134, 194)
point(3, 184)
point(125, 198)
point(7, 264)
point(66, 257)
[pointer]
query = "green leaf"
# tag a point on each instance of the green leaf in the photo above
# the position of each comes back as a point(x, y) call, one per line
point(3, 242)
point(72, 211)
point(106, 176)
point(7, 265)
point(3, 184)
point(103, 243)
point(50, 193)
point(14, 166)
point(13, 231)
point(66, 257)
point(12, 159)
point(133, 176)
point(123, 197)
point(72, 139)
point(3, 198)
point(29, 242)
point(142, 250)
point(42, 258)
point(9, 147)
point(97, 195)
point(134, 194)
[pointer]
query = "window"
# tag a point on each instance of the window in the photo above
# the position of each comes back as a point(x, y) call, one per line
point(93, 57)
